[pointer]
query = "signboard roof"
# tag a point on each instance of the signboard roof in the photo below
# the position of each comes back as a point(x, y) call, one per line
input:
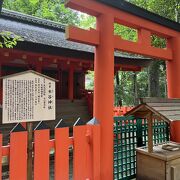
point(28, 71)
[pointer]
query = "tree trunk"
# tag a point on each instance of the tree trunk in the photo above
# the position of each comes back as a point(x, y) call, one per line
point(135, 90)
point(154, 86)
point(1, 4)
point(118, 99)
point(117, 78)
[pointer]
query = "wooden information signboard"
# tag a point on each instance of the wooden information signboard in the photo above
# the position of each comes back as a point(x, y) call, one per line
point(28, 96)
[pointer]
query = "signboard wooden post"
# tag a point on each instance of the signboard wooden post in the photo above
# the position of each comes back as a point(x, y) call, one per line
point(27, 97)
point(30, 151)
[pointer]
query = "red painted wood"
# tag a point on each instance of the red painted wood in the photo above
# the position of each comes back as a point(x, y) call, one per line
point(62, 153)
point(96, 152)
point(1, 156)
point(80, 149)
point(77, 34)
point(41, 155)
point(31, 56)
point(103, 92)
point(173, 83)
point(59, 83)
point(47, 61)
point(95, 8)
point(85, 37)
point(39, 66)
point(133, 47)
point(71, 83)
point(89, 152)
point(18, 156)
point(6, 150)
point(1, 83)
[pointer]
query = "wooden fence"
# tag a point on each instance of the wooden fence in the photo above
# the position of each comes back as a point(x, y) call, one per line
point(120, 111)
point(85, 145)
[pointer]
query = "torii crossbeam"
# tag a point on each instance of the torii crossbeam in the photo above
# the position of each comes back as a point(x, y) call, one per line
point(107, 13)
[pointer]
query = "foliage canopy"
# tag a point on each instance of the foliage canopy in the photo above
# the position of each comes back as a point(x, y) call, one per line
point(149, 82)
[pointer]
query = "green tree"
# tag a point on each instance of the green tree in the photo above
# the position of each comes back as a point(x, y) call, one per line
point(48, 9)
point(90, 80)
point(152, 81)
point(87, 21)
point(156, 71)
point(166, 8)
point(9, 39)
point(148, 81)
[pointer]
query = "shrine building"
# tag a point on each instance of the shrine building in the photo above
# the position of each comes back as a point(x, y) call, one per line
point(45, 49)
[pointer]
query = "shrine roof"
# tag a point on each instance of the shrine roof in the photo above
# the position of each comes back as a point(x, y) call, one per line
point(45, 36)
point(140, 12)
point(161, 109)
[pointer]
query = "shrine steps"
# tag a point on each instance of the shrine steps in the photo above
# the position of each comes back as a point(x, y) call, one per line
point(70, 111)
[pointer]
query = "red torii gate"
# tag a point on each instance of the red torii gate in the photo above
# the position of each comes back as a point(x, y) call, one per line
point(106, 42)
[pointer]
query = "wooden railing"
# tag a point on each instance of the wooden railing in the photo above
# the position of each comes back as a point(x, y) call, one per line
point(118, 111)
point(88, 94)
point(85, 144)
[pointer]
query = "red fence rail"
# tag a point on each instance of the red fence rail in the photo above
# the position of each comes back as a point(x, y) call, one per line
point(86, 153)
point(88, 94)
point(118, 111)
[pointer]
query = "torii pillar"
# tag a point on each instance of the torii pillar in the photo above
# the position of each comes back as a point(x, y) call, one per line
point(103, 39)
point(173, 82)
point(104, 91)
point(105, 42)
point(71, 83)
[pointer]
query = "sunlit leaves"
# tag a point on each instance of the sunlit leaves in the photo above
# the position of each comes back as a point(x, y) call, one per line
point(90, 80)
point(87, 22)
point(34, 1)
point(48, 9)
point(125, 32)
point(9, 39)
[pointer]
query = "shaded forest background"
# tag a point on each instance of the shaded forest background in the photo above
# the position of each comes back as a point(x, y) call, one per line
point(129, 86)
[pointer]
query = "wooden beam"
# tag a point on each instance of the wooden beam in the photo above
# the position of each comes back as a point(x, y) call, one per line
point(134, 110)
point(153, 111)
point(141, 114)
point(134, 69)
point(144, 36)
point(32, 55)
point(95, 8)
point(90, 37)
point(160, 100)
point(150, 133)
point(142, 48)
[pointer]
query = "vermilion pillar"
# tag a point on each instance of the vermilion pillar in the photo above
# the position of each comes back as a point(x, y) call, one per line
point(104, 91)
point(1, 83)
point(83, 80)
point(39, 66)
point(59, 78)
point(173, 79)
point(71, 83)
